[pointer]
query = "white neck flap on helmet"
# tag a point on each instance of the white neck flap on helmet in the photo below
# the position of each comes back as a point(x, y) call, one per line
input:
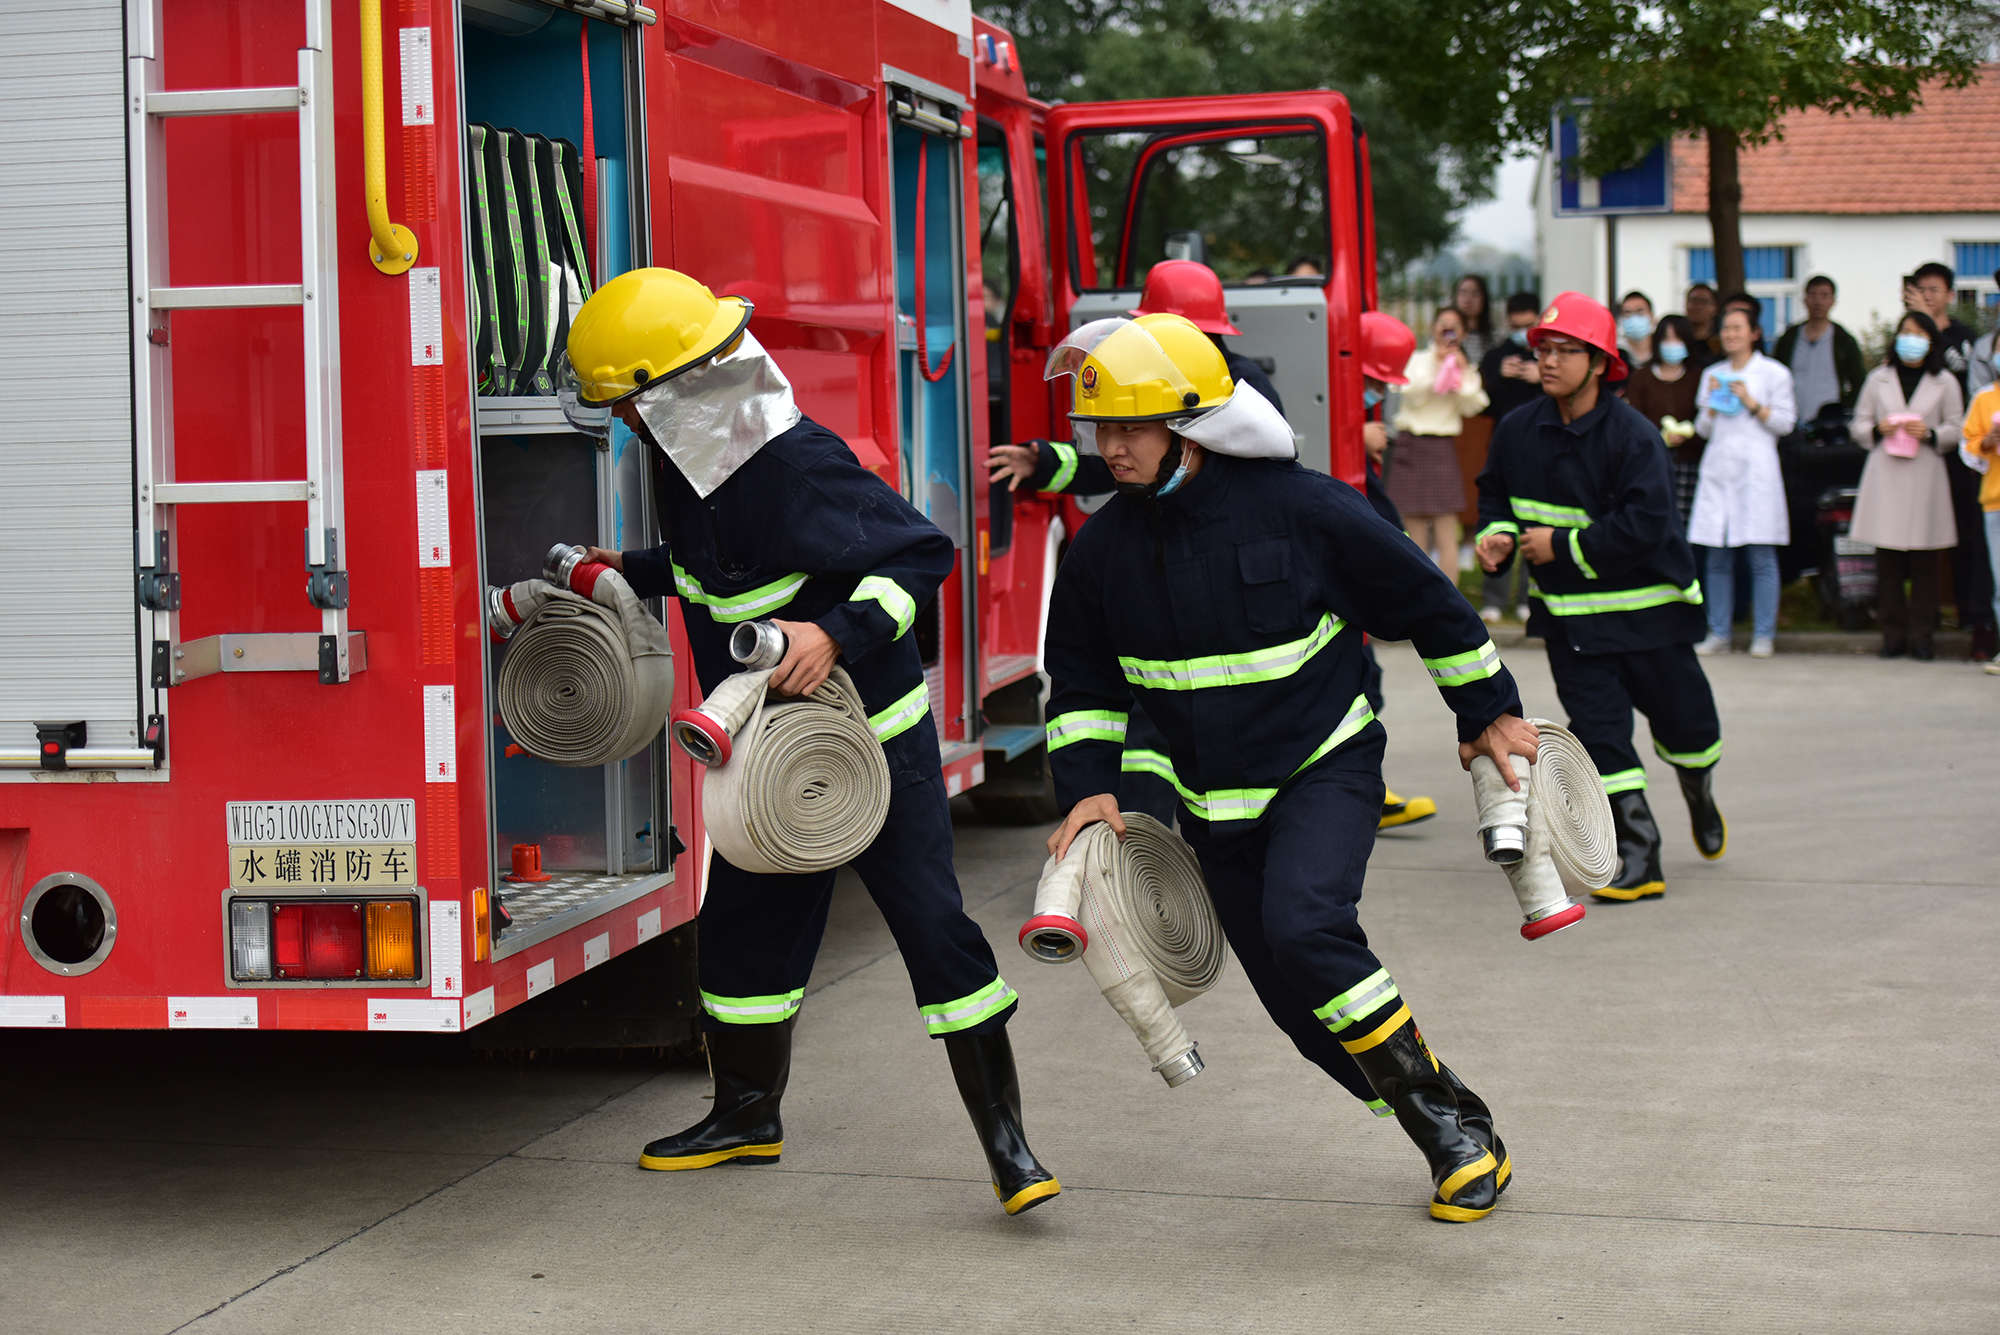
point(1246, 426)
point(710, 420)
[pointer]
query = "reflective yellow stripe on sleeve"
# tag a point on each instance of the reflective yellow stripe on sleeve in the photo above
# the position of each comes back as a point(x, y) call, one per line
point(1463, 669)
point(900, 717)
point(894, 599)
point(1065, 465)
point(1086, 725)
point(1576, 553)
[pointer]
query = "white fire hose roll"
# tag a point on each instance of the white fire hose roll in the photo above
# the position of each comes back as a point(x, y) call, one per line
point(587, 679)
point(1137, 913)
point(793, 785)
point(1555, 838)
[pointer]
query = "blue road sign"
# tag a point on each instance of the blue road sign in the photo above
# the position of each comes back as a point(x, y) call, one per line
point(1645, 188)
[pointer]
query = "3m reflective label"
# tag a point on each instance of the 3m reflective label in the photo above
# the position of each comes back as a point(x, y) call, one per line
point(33, 1013)
point(426, 321)
point(290, 866)
point(597, 950)
point(412, 1015)
point(479, 1007)
point(388, 820)
point(541, 977)
point(649, 925)
point(440, 736)
point(433, 518)
point(447, 949)
point(239, 1012)
point(417, 107)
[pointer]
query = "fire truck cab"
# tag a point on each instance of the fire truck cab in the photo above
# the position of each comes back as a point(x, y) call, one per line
point(284, 284)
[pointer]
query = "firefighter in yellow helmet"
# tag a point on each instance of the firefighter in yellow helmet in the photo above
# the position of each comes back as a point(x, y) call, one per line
point(769, 515)
point(1227, 589)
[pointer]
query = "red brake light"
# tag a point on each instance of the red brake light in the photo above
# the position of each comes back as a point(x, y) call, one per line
point(317, 940)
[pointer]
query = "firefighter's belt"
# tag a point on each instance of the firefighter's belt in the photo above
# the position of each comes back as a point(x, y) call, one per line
point(1137, 912)
point(586, 681)
point(1571, 845)
point(804, 787)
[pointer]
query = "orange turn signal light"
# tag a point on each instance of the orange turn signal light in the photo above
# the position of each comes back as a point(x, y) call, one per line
point(392, 939)
point(482, 924)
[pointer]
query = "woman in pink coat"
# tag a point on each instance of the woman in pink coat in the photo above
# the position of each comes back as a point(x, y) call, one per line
point(1908, 418)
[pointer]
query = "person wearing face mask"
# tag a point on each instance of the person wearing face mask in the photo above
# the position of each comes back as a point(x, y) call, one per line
point(1971, 575)
point(766, 513)
point(1511, 381)
point(1635, 328)
point(1424, 477)
point(1662, 389)
point(1228, 589)
point(1739, 501)
point(1908, 419)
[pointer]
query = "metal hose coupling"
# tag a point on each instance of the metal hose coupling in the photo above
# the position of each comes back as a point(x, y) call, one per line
point(1554, 838)
point(1136, 911)
point(758, 645)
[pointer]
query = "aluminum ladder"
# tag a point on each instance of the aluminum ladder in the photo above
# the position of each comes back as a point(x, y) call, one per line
point(334, 653)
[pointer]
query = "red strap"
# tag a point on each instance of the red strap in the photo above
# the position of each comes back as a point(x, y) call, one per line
point(923, 200)
point(588, 150)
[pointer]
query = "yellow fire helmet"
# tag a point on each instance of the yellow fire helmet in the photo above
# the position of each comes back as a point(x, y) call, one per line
point(1145, 370)
point(640, 328)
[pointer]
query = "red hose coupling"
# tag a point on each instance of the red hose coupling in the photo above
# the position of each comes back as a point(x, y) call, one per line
point(1054, 938)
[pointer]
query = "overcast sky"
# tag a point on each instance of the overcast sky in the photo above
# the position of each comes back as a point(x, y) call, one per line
point(1507, 221)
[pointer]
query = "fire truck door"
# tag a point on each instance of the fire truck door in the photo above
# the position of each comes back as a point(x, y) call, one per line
point(931, 362)
point(1263, 190)
point(71, 652)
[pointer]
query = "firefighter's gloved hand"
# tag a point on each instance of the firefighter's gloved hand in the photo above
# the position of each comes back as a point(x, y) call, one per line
point(616, 560)
point(1012, 464)
point(1508, 735)
point(809, 657)
point(1103, 807)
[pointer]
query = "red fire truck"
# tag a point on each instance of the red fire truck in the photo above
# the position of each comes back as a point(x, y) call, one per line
point(281, 286)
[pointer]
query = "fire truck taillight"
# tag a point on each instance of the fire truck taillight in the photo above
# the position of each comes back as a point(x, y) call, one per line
point(482, 924)
point(250, 939)
point(317, 940)
point(392, 939)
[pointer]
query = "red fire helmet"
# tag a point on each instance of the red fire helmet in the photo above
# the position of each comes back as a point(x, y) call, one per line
point(1386, 347)
point(1588, 322)
point(1188, 289)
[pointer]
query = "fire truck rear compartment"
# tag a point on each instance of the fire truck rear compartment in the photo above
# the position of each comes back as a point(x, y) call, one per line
point(535, 257)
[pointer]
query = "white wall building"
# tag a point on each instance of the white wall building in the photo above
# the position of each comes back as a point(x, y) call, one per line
point(1837, 196)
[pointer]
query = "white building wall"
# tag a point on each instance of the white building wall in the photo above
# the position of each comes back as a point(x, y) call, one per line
point(1866, 256)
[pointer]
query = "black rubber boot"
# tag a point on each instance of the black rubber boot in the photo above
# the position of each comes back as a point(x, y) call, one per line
point(1464, 1168)
point(1638, 850)
point(983, 1065)
point(752, 1063)
point(1477, 1118)
point(1711, 832)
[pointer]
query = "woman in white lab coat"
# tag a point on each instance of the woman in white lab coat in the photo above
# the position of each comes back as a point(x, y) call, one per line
point(1746, 404)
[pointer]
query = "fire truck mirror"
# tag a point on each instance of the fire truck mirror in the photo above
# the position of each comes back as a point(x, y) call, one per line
point(68, 923)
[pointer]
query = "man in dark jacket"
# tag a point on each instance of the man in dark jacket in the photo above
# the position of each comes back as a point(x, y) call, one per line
point(1825, 361)
point(1579, 483)
point(767, 514)
point(1228, 589)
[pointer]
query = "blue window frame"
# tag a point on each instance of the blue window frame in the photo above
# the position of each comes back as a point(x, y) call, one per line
point(1761, 264)
point(1975, 260)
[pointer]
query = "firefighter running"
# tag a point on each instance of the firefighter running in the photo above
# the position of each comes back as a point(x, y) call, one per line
point(768, 514)
point(1227, 588)
point(1579, 483)
point(1194, 291)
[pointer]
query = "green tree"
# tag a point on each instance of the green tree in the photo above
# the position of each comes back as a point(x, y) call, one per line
point(1487, 77)
point(1078, 51)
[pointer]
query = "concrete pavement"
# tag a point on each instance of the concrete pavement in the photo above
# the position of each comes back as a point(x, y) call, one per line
point(1761, 1104)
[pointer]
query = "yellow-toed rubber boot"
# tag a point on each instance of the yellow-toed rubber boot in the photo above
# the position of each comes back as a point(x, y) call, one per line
point(1404, 811)
point(1638, 851)
point(752, 1063)
point(1457, 1141)
point(983, 1066)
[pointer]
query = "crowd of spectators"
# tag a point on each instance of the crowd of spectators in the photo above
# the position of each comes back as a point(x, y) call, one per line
point(1757, 426)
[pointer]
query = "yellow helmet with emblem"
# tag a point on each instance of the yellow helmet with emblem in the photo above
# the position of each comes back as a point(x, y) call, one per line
point(643, 327)
point(1145, 370)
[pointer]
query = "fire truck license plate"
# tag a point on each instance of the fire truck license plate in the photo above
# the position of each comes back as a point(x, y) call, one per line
point(343, 844)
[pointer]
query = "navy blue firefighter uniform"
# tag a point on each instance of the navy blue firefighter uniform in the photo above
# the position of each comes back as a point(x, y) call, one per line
point(804, 533)
point(1619, 607)
point(1233, 610)
point(1060, 466)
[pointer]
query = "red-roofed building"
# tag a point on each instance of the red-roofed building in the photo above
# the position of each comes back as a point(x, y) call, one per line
point(1860, 199)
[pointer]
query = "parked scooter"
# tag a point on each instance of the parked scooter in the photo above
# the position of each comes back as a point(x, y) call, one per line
point(1846, 580)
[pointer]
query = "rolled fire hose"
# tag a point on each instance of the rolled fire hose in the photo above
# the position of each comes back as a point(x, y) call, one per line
point(793, 785)
point(589, 674)
point(1136, 912)
point(1554, 838)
